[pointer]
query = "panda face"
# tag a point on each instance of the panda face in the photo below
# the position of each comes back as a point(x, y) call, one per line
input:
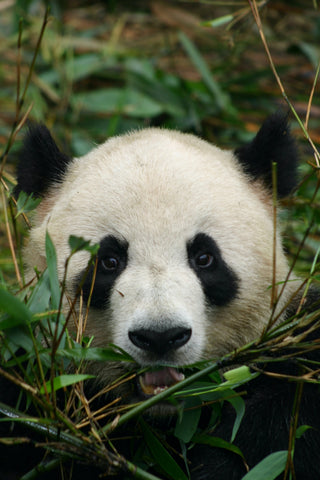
point(186, 247)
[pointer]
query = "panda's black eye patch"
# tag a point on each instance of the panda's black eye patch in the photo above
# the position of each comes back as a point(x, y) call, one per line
point(219, 282)
point(112, 259)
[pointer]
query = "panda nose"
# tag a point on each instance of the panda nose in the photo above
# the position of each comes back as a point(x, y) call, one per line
point(160, 342)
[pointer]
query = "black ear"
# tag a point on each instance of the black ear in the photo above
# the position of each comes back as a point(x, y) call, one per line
point(41, 163)
point(272, 144)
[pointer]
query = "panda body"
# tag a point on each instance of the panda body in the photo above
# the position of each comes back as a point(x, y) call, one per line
point(186, 258)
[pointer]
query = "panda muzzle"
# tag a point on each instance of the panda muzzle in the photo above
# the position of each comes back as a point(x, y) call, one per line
point(154, 382)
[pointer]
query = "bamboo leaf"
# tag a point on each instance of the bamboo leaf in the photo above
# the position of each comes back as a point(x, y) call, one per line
point(39, 299)
point(187, 425)
point(239, 405)
point(128, 101)
point(26, 203)
point(218, 443)
point(238, 375)
point(64, 381)
point(218, 22)
point(16, 311)
point(51, 257)
point(161, 455)
point(269, 468)
point(301, 430)
point(94, 353)
point(222, 98)
point(79, 243)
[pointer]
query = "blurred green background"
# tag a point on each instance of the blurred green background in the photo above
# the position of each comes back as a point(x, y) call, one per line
point(103, 68)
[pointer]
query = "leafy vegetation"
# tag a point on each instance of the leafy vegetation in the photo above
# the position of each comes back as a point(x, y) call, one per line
point(88, 72)
point(40, 357)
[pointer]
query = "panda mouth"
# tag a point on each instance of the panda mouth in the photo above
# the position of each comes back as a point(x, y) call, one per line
point(153, 382)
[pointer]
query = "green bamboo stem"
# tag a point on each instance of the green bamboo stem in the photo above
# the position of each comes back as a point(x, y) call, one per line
point(165, 394)
point(85, 449)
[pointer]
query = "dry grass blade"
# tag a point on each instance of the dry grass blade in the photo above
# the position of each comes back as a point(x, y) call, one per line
point(257, 18)
point(21, 99)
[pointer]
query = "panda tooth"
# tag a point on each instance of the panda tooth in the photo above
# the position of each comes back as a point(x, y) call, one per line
point(178, 376)
point(154, 382)
point(159, 390)
point(147, 389)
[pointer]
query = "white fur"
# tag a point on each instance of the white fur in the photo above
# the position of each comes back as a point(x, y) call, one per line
point(157, 189)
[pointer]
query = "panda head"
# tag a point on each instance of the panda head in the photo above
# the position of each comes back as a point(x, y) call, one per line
point(186, 235)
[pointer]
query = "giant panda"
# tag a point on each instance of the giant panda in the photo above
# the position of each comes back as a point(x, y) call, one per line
point(187, 243)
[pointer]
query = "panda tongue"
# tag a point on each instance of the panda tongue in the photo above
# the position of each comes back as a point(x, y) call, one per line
point(158, 380)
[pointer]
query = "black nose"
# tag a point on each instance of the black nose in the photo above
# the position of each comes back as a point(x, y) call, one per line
point(160, 342)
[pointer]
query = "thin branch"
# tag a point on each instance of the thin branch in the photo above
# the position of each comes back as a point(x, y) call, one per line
point(311, 96)
point(11, 245)
point(257, 18)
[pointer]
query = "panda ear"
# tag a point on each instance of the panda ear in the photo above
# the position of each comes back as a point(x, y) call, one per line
point(41, 163)
point(272, 144)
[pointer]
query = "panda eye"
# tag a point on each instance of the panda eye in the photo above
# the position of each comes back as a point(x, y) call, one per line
point(110, 264)
point(204, 260)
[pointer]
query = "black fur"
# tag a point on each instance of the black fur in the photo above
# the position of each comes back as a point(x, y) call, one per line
point(220, 284)
point(266, 423)
point(110, 248)
point(41, 163)
point(272, 144)
point(264, 430)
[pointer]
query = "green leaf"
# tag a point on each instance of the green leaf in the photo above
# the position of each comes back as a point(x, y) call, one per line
point(26, 203)
point(269, 468)
point(20, 337)
point(238, 375)
point(222, 98)
point(64, 381)
point(112, 100)
point(39, 299)
point(217, 22)
point(78, 243)
point(187, 425)
point(161, 455)
point(311, 51)
point(239, 405)
point(78, 68)
point(53, 272)
point(301, 430)
point(206, 389)
point(218, 443)
point(161, 91)
point(16, 310)
point(94, 353)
